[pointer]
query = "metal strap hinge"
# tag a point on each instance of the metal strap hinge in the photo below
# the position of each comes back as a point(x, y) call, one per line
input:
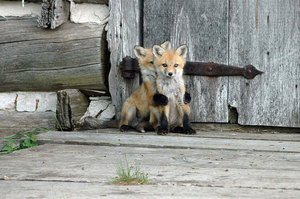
point(129, 66)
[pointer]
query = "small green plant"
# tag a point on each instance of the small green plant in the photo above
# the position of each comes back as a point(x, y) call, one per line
point(130, 175)
point(30, 140)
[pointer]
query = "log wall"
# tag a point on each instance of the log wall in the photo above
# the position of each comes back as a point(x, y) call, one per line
point(36, 59)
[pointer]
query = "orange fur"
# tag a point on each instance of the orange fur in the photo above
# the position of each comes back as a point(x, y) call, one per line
point(141, 100)
point(169, 66)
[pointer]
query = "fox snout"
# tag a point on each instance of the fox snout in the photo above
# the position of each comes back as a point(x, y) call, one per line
point(170, 74)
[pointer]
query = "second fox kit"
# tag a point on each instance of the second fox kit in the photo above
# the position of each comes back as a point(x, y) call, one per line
point(169, 66)
point(136, 109)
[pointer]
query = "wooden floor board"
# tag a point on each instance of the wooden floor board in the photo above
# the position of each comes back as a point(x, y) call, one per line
point(82, 164)
point(29, 189)
point(151, 140)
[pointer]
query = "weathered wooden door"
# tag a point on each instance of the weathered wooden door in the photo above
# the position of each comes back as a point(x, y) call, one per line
point(238, 33)
point(263, 33)
point(202, 25)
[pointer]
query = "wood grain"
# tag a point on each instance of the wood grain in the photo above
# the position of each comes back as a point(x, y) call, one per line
point(44, 189)
point(92, 1)
point(179, 142)
point(123, 33)
point(178, 166)
point(15, 122)
point(205, 168)
point(263, 34)
point(71, 106)
point(35, 59)
point(203, 27)
point(54, 13)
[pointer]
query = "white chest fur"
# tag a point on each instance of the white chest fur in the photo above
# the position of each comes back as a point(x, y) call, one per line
point(170, 86)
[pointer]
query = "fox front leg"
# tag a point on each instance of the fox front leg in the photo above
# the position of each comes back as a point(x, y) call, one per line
point(187, 98)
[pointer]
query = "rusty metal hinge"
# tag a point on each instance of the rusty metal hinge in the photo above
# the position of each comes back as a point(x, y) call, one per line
point(129, 66)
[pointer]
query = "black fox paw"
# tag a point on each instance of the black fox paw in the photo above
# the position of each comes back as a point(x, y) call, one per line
point(187, 98)
point(160, 99)
point(125, 128)
point(162, 131)
point(178, 129)
point(189, 131)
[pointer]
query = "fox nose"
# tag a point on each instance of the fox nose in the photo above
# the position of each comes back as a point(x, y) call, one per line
point(170, 74)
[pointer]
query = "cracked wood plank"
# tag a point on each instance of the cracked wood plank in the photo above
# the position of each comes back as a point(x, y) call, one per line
point(35, 59)
point(71, 106)
point(293, 136)
point(54, 13)
point(123, 33)
point(75, 1)
point(267, 37)
point(185, 167)
point(15, 122)
point(204, 30)
point(92, 1)
point(42, 189)
point(182, 142)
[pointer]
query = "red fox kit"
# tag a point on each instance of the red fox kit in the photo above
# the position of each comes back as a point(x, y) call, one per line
point(169, 66)
point(136, 109)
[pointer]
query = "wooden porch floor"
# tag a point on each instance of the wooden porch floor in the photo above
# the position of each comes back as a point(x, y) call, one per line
point(206, 165)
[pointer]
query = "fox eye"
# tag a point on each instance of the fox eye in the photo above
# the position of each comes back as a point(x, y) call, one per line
point(175, 65)
point(164, 65)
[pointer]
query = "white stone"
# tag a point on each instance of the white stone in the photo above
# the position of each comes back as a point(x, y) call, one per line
point(88, 13)
point(108, 113)
point(7, 101)
point(36, 101)
point(96, 107)
point(102, 109)
point(14, 8)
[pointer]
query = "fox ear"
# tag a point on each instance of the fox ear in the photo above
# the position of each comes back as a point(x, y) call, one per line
point(166, 45)
point(158, 50)
point(182, 51)
point(139, 51)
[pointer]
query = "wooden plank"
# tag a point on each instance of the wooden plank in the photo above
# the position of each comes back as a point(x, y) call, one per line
point(204, 168)
point(262, 34)
point(39, 189)
point(92, 1)
point(123, 33)
point(28, 0)
point(225, 134)
point(71, 106)
point(204, 29)
point(155, 141)
point(35, 59)
point(15, 122)
point(75, 1)
point(54, 13)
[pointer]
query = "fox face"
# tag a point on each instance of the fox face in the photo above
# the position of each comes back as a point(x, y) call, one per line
point(145, 57)
point(168, 62)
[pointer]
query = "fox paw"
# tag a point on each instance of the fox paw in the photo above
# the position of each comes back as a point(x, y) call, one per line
point(189, 131)
point(125, 128)
point(160, 99)
point(187, 98)
point(178, 129)
point(162, 131)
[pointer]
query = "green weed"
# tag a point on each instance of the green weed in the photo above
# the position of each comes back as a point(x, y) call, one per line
point(130, 175)
point(12, 144)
